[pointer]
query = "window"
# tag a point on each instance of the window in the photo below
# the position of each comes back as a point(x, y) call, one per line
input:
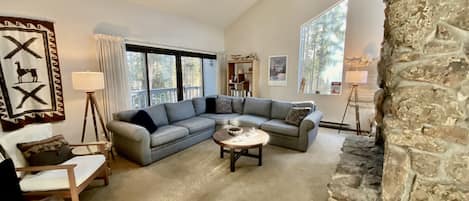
point(161, 75)
point(322, 51)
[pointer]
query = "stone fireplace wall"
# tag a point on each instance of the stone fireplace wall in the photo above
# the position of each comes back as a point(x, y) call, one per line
point(424, 73)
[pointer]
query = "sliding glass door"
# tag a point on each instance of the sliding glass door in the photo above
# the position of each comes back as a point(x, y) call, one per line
point(161, 75)
point(192, 76)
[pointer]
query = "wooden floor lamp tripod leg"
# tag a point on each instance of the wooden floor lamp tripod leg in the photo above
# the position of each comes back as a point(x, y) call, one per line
point(346, 107)
point(354, 93)
point(91, 100)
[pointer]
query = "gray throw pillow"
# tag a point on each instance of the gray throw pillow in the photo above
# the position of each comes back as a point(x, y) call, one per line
point(223, 106)
point(296, 115)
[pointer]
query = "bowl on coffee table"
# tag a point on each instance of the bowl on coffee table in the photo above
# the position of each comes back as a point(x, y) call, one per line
point(235, 131)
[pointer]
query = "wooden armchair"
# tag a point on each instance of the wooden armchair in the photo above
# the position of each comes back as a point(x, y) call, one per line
point(65, 180)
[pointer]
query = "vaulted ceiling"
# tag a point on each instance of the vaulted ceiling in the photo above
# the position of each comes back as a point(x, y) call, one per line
point(220, 13)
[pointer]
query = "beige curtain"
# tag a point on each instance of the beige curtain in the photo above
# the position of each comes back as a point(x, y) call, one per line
point(112, 62)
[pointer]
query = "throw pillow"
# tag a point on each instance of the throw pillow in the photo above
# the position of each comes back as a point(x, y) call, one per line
point(142, 118)
point(210, 105)
point(296, 115)
point(50, 151)
point(223, 106)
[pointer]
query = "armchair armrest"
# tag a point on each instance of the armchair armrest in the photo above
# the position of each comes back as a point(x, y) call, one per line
point(46, 167)
point(311, 121)
point(100, 145)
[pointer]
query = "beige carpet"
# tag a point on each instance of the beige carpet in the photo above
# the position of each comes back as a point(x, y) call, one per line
point(198, 173)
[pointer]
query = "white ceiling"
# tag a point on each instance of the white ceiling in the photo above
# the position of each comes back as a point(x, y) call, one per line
point(220, 13)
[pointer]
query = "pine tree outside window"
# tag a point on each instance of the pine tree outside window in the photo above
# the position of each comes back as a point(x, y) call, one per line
point(322, 50)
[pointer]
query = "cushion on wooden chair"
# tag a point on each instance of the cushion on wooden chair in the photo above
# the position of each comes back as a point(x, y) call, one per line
point(58, 179)
point(33, 132)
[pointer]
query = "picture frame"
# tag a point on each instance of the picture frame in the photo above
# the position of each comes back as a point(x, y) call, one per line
point(277, 72)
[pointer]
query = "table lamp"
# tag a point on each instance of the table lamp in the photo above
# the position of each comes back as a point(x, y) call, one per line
point(89, 82)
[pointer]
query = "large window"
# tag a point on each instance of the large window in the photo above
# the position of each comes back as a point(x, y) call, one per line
point(161, 75)
point(322, 51)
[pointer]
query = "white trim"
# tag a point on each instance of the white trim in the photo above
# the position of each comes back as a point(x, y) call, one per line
point(325, 11)
point(276, 82)
point(159, 45)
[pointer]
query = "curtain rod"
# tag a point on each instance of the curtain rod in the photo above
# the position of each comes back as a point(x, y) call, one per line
point(139, 42)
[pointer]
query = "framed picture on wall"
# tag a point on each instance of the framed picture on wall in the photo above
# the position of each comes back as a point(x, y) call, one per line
point(278, 70)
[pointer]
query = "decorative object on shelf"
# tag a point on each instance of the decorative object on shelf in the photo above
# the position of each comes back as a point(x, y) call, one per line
point(355, 78)
point(278, 70)
point(251, 56)
point(235, 131)
point(30, 80)
point(90, 82)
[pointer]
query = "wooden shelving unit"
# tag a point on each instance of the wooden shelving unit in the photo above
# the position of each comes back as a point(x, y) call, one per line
point(242, 77)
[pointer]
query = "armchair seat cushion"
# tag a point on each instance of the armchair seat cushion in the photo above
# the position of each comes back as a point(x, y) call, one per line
point(220, 119)
point(196, 124)
point(248, 121)
point(58, 179)
point(167, 134)
point(280, 127)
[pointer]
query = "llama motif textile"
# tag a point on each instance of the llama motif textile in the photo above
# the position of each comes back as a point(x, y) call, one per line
point(30, 81)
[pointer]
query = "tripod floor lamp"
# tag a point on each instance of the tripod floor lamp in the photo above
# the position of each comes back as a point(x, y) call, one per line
point(355, 78)
point(90, 82)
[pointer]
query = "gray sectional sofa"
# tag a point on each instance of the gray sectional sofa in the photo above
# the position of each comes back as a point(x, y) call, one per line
point(183, 124)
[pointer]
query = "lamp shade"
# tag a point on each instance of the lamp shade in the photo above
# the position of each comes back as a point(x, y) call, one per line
point(88, 81)
point(356, 77)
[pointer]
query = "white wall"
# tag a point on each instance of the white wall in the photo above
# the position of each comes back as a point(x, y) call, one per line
point(272, 27)
point(77, 20)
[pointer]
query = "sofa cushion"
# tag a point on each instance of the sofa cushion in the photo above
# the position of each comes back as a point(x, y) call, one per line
point(58, 179)
point(143, 119)
point(50, 151)
point(237, 103)
point(220, 119)
point(280, 109)
point(199, 105)
point(196, 124)
point(167, 134)
point(223, 106)
point(248, 121)
point(280, 127)
point(296, 115)
point(180, 110)
point(158, 114)
point(211, 105)
point(257, 106)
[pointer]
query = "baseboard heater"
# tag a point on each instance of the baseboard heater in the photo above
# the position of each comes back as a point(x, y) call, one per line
point(335, 125)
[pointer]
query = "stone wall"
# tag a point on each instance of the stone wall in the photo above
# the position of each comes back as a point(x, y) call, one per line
point(424, 72)
point(358, 174)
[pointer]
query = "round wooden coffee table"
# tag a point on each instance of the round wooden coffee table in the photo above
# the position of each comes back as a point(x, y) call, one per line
point(251, 138)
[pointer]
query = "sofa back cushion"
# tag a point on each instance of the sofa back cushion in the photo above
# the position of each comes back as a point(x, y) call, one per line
point(223, 105)
point(237, 103)
point(280, 109)
point(199, 105)
point(257, 106)
point(180, 110)
point(156, 112)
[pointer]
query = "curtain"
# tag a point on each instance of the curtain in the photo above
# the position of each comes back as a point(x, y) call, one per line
point(221, 73)
point(112, 62)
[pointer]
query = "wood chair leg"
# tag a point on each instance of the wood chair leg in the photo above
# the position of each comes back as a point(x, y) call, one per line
point(106, 176)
